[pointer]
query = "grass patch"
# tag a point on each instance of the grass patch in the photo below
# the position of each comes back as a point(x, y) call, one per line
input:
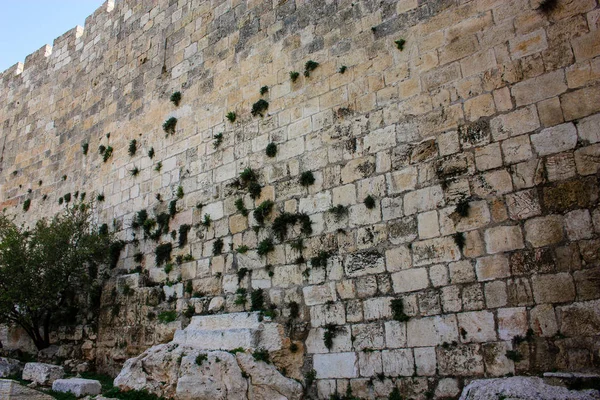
point(265, 246)
point(170, 125)
point(307, 178)
point(259, 108)
point(176, 98)
point(167, 316)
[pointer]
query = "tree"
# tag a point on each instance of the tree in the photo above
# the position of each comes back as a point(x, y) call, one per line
point(46, 272)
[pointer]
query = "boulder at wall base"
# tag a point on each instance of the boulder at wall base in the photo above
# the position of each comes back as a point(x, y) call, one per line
point(77, 386)
point(522, 388)
point(186, 373)
point(11, 390)
point(10, 367)
point(42, 374)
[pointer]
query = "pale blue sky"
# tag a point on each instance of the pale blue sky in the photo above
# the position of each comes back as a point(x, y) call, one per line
point(27, 25)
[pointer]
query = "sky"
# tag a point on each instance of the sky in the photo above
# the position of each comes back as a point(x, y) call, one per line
point(27, 25)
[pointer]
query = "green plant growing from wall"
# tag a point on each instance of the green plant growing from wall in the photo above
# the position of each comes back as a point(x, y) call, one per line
point(218, 140)
point(369, 202)
point(231, 116)
point(264, 90)
point(26, 205)
point(283, 221)
point(398, 314)
point(241, 297)
point(183, 234)
point(271, 150)
point(294, 309)
point(261, 355)
point(162, 253)
point(85, 148)
point(132, 148)
point(172, 208)
point(158, 166)
point(100, 197)
point(395, 394)
point(320, 260)
point(265, 247)
point(200, 358)
point(241, 274)
point(547, 6)
point(254, 189)
point(67, 198)
point(206, 221)
point(400, 44)
point(297, 244)
point(138, 257)
point(342, 69)
point(239, 205)
point(140, 219)
point(307, 178)
point(60, 200)
point(262, 211)
point(135, 171)
point(167, 316)
point(330, 332)
point(259, 108)
point(101, 149)
point(460, 240)
point(180, 193)
point(151, 153)
point(217, 247)
point(242, 249)
point(309, 67)
point(257, 300)
point(107, 153)
point(462, 208)
point(514, 355)
point(339, 212)
point(169, 125)
point(176, 98)
point(294, 75)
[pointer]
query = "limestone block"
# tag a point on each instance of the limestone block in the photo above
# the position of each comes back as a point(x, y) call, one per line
point(377, 308)
point(336, 365)
point(492, 183)
point(398, 258)
point(431, 331)
point(410, 280)
point(460, 360)
point(512, 322)
point(12, 390)
point(365, 263)
point(523, 204)
point(398, 362)
point(555, 139)
point(42, 374)
point(423, 200)
point(395, 334)
point(544, 231)
point(447, 387)
point(578, 224)
point(344, 195)
point(476, 327)
point(321, 315)
point(435, 250)
point(425, 361)
point(503, 238)
point(428, 225)
point(77, 386)
point(488, 157)
point(461, 272)
point(319, 294)
point(10, 367)
point(587, 161)
point(553, 288)
point(589, 129)
point(370, 364)
point(368, 336)
point(518, 122)
point(516, 149)
point(494, 357)
point(579, 319)
point(492, 267)
point(539, 88)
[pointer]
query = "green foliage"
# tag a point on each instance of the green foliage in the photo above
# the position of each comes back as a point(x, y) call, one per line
point(45, 279)
point(237, 350)
point(309, 67)
point(242, 249)
point(257, 300)
point(190, 311)
point(285, 220)
point(151, 153)
point(176, 98)
point(231, 116)
point(254, 189)
point(547, 6)
point(114, 250)
point(330, 332)
point(67, 197)
point(61, 395)
point(264, 90)
point(180, 193)
point(342, 69)
point(101, 149)
point(26, 205)
point(138, 257)
point(248, 175)
point(183, 234)
point(107, 154)
point(100, 197)
point(241, 274)
point(158, 166)
point(514, 355)
point(339, 212)
point(263, 211)
point(271, 150)
point(85, 148)
point(201, 358)
point(397, 306)
point(400, 44)
point(135, 171)
point(307, 178)
point(459, 239)
point(140, 219)
point(206, 221)
point(60, 200)
point(162, 253)
point(294, 309)
point(370, 202)
point(261, 355)
point(395, 394)
point(239, 205)
point(103, 230)
point(172, 208)
point(169, 125)
point(265, 246)
point(241, 297)
point(167, 316)
point(132, 147)
point(218, 140)
point(462, 208)
point(294, 75)
point(259, 108)
point(217, 247)
point(297, 244)
point(320, 260)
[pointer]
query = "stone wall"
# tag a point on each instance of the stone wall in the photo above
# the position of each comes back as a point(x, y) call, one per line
point(477, 141)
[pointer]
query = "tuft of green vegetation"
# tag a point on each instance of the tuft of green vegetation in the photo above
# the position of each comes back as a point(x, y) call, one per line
point(101, 149)
point(167, 316)
point(218, 140)
point(369, 202)
point(460, 240)
point(163, 253)
point(237, 350)
point(397, 306)
point(248, 175)
point(60, 200)
point(172, 208)
point(138, 257)
point(297, 244)
point(85, 147)
point(132, 148)
point(168, 268)
point(330, 332)
point(293, 347)
point(231, 116)
point(100, 197)
point(263, 211)
point(284, 220)
point(176, 98)
point(462, 208)
point(264, 90)
point(67, 197)
point(257, 300)
point(151, 153)
point(183, 234)
point(514, 355)
point(170, 125)
point(307, 178)
point(309, 67)
point(180, 193)
point(239, 205)
point(158, 166)
point(342, 69)
point(26, 205)
point(294, 309)
point(201, 358)
point(140, 219)
point(241, 274)
point(107, 153)
point(400, 44)
point(254, 189)
point(259, 108)
point(135, 171)
point(310, 377)
point(271, 150)
point(103, 230)
point(217, 247)
point(339, 212)
point(547, 6)
point(116, 393)
point(320, 260)
point(241, 297)
point(261, 355)
point(242, 249)
point(265, 247)
point(395, 394)
point(294, 75)
point(206, 221)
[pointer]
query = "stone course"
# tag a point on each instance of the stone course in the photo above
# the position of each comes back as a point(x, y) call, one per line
point(478, 144)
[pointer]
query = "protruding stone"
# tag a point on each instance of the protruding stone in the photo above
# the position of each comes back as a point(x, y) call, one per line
point(11, 390)
point(77, 386)
point(42, 374)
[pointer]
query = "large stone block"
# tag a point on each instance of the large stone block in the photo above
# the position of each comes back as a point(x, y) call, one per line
point(336, 365)
point(12, 390)
point(431, 331)
point(77, 386)
point(10, 367)
point(42, 374)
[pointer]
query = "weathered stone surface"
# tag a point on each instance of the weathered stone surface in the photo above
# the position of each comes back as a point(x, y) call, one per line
point(12, 390)
point(522, 388)
point(42, 374)
point(10, 367)
point(179, 372)
point(77, 386)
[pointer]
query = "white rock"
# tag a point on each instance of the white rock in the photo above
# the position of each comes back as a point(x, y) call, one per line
point(11, 390)
point(77, 386)
point(42, 374)
point(10, 367)
point(522, 388)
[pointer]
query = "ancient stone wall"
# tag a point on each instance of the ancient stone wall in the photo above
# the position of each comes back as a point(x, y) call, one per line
point(472, 126)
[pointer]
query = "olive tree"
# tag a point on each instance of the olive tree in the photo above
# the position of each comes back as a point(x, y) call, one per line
point(46, 272)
